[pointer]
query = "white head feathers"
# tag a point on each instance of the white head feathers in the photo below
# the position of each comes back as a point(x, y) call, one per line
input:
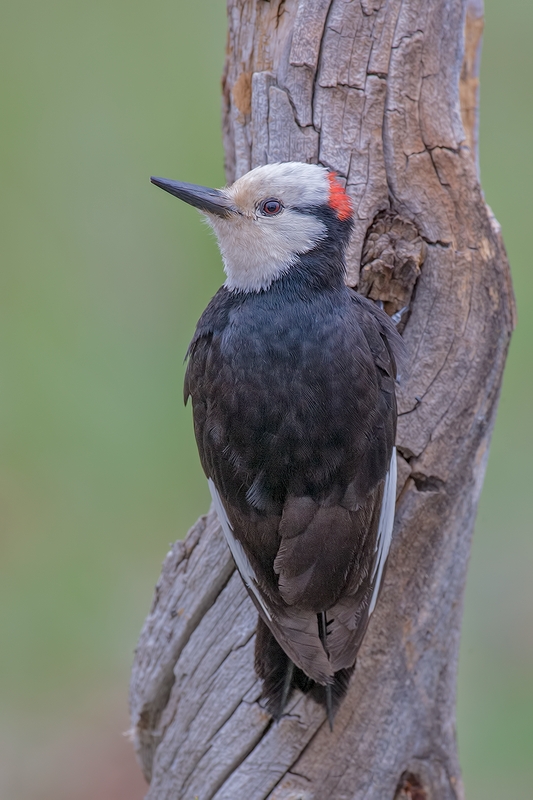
point(257, 247)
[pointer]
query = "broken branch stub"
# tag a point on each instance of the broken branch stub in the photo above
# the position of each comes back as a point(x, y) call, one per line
point(373, 90)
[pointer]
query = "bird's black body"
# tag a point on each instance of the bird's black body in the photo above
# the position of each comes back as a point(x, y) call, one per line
point(291, 376)
point(294, 408)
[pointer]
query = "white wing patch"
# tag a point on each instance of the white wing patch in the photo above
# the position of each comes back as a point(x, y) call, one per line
point(237, 550)
point(386, 522)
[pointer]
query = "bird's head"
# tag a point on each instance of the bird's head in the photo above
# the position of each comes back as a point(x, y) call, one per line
point(268, 219)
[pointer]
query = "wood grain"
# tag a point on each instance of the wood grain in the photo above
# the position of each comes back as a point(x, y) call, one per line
point(385, 93)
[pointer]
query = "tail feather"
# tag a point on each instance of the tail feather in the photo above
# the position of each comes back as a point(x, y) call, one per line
point(322, 622)
point(339, 687)
point(281, 677)
point(274, 668)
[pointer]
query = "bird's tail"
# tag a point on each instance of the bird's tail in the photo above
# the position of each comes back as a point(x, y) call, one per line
point(280, 677)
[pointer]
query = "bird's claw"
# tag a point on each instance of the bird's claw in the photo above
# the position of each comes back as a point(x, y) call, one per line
point(397, 317)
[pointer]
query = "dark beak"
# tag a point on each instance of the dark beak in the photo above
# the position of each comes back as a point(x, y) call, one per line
point(212, 201)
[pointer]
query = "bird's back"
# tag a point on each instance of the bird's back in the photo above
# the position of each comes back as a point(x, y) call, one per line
point(295, 417)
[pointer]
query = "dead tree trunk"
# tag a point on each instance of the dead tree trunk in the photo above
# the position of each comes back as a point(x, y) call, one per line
point(373, 89)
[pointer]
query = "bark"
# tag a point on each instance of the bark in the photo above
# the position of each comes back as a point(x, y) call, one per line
point(385, 93)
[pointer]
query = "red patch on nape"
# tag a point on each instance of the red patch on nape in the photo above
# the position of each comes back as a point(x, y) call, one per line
point(338, 199)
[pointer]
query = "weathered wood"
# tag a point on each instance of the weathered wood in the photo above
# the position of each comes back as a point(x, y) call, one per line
point(385, 93)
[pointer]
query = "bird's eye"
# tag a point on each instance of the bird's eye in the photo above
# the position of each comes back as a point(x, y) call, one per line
point(270, 207)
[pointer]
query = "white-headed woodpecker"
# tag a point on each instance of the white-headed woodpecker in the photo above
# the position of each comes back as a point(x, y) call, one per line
point(292, 381)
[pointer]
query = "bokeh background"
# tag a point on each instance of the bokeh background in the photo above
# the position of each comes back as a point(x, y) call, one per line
point(103, 277)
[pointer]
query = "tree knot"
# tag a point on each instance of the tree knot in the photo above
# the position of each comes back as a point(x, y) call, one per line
point(393, 254)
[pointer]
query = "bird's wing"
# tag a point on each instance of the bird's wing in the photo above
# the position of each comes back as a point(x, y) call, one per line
point(294, 628)
point(351, 614)
point(323, 546)
point(238, 552)
point(385, 525)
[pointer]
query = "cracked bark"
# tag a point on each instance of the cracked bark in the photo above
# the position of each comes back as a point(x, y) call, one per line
point(385, 93)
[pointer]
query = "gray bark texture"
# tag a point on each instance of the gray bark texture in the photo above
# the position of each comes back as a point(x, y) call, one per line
point(385, 93)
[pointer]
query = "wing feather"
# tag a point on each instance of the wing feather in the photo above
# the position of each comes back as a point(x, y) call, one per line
point(237, 551)
point(386, 524)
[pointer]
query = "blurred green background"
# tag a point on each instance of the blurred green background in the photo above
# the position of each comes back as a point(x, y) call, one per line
point(103, 279)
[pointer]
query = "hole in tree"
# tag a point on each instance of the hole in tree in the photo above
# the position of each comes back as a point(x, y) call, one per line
point(410, 788)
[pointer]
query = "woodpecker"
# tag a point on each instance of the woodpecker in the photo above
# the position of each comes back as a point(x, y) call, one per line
point(292, 380)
